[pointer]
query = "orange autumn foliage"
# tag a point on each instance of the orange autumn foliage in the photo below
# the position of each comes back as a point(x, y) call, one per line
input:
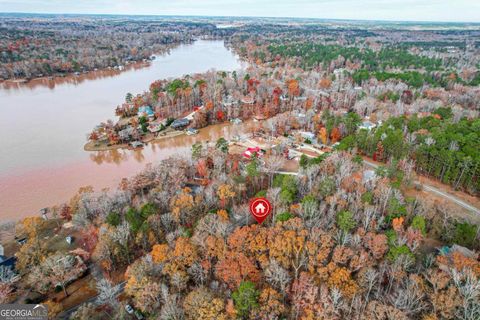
point(209, 105)
point(182, 203)
point(230, 309)
point(325, 83)
point(202, 168)
point(377, 244)
point(341, 279)
point(446, 302)
point(185, 252)
point(288, 247)
point(181, 258)
point(319, 251)
point(397, 224)
point(31, 225)
point(293, 87)
point(251, 240)
point(342, 255)
point(215, 247)
point(308, 103)
point(322, 135)
point(225, 193)
point(202, 304)
point(159, 253)
point(458, 261)
point(54, 308)
point(304, 295)
point(223, 214)
point(235, 268)
point(335, 135)
point(271, 306)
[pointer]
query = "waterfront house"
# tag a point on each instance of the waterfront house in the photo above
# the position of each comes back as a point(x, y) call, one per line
point(157, 125)
point(126, 133)
point(154, 127)
point(180, 123)
point(8, 262)
point(145, 111)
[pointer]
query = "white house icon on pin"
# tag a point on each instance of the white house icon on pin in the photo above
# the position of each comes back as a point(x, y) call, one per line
point(260, 208)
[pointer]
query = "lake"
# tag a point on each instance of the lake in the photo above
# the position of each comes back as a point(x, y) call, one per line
point(44, 123)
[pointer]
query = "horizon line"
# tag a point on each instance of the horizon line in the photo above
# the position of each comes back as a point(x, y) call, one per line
point(239, 16)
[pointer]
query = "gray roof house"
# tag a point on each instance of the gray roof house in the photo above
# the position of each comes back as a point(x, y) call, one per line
point(180, 123)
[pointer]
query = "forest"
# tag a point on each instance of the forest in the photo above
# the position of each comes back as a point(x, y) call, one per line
point(344, 240)
point(337, 245)
point(313, 54)
point(441, 148)
point(32, 47)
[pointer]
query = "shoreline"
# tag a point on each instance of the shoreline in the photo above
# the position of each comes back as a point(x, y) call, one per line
point(90, 146)
point(51, 173)
point(45, 174)
point(100, 72)
point(86, 75)
point(169, 133)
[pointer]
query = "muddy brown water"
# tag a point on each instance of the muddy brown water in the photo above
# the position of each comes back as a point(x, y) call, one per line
point(43, 127)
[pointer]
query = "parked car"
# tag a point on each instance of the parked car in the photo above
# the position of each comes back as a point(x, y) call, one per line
point(139, 315)
point(191, 131)
point(129, 309)
point(136, 144)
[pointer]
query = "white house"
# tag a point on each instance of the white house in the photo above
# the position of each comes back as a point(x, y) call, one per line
point(308, 135)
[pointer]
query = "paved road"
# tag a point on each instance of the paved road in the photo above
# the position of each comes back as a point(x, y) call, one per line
point(442, 194)
point(425, 187)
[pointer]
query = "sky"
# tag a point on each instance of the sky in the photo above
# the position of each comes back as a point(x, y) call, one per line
point(394, 10)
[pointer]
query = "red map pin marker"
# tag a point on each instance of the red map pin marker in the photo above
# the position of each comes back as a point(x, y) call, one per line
point(260, 208)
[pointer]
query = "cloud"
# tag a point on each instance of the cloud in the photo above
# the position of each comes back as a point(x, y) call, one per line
point(412, 10)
